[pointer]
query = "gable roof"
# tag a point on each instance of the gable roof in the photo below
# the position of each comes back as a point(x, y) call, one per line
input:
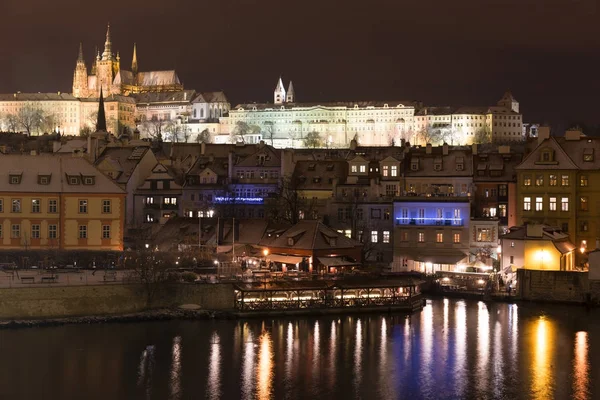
point(124, 159)
point(160, 173)
point(561, 158)
point(313, 235)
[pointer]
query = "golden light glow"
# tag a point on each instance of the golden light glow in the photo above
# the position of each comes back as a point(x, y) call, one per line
point(581, 368)
point(289, 352)
point(214, 368)
point(175, 382)
point(542, 346)
point(358, 354)
point(483, 344)
point(266, 252)
point(248, 366)
point(460, 345)
point(265, 367)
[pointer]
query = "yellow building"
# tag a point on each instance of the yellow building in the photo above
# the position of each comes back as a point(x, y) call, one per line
point(559, 184)
point(58, 202)
point(538, 247)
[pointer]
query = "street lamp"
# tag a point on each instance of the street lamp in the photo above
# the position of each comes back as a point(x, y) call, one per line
point(147, 246)
point(266, 252)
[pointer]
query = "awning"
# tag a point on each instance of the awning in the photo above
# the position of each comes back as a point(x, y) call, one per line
point(284, 259)
point(449, 257)
point(564, 247)
point(336, 262)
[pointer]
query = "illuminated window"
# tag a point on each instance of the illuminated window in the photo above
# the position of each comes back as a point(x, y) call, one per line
point(502, 210)
point(421, 237)
point(363, 168)
point(583, 180)
point(564, 204)
point(503, 190)
point(564, 180)
point(552, 203)
point(512, 244)
point(527, 180)
point(484, 234)
point(386, 236)
point(439, 237)
point(539, 204)
point(539, 180)
point(394, 170)
point(583, 203)
point(386, 170)
point(16, 205)
point(348, 233)
point(527, 204)
point(373, 236)
point(457, 238)
point(584, 244)
point(553, 180)
point(354, 168)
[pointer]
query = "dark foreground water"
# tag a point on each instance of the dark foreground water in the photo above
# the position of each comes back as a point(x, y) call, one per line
point(453, 349)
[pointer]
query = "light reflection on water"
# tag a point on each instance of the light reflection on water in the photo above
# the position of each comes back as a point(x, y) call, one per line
point(450, 350)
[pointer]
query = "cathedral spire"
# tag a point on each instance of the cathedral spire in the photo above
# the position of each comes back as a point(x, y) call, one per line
point(279, 93)
point(134, 64)
point(290, 95)
point(107, 55)
point(101, 122)
point(80, 55)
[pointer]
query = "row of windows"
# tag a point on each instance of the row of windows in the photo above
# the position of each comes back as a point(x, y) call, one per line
point(439, 237)
point(36, 206)
point(564, 203)
point(106, 206)
point(347, 213)
point(15, 231)
point(553, 180)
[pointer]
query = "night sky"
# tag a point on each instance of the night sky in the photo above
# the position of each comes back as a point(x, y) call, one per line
point(463, 52)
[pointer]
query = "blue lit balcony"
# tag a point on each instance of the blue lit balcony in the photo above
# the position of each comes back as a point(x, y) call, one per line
point(429, 221)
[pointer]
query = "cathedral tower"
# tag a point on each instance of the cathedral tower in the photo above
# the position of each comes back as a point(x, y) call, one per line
point(279, 93)
point(509, 102)
point(105, 66)
point(134, 64)
point(80, 77)
point(290, 96)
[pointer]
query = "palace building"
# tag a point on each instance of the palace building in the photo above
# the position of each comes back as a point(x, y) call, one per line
point(106, 73)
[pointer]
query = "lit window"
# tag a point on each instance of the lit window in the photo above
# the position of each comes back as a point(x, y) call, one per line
point(493, 212)
point(386, 236)
point(564, 204)
point(527, 204)
point(394, 170)
point(583, 203)
point(421, 237)
point(439, 237)
point(373, 236)
point(354, 168)
point(502, 210)
point(456, 238)
point(564, 180)
point(583, 245)
point(539, 180)
point(552, 203)
point(553, 180)
point(583, 180)
point(348, 233)
point(527, 180)
point(539, 204)
point(82, 231)
point(386, 170)
point(484, 234)
point(512, 244)
point(363, 168)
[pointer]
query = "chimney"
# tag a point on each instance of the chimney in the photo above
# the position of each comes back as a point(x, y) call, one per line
point(445, 149)
point(534, 230)
point(428, 148)
point(202, 148)
point(230, 166)
point(474, 147)
point(353, 144)
point(543, 133)
point(573, 134)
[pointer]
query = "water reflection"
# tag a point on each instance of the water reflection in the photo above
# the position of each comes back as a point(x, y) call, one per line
point(248, 366)
point(289, 353)
point(214, 368)
point(332, 353)
point(146, 369)
point(460, 346)
point(483, 345)
point(176, 368)
point(541, 369)
point(581, 379)
point(358, 355)
point(265, 366)
point(426, 344)
point(316, 367)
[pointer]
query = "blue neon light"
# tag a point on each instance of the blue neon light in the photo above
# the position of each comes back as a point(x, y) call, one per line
point(243, 200)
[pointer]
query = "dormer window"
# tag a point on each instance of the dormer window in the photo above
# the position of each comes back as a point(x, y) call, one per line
point(317, 179)
point(329, 167)
point(547, 155)
point(290, 241)
point(15, 179)
point(311, 167)
point(354, 168)
point(588, 155)
point(414, 165)
point(437, 164)
point(44, 179)
point(460, 163)
point(88, 180)
point(73, 180)
point(363, 168)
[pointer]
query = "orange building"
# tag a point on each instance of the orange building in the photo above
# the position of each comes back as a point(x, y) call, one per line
point(58, 202)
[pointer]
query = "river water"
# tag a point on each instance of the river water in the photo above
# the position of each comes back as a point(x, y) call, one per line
point(453, 349)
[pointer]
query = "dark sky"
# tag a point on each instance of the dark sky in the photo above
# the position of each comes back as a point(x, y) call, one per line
point(462, 52)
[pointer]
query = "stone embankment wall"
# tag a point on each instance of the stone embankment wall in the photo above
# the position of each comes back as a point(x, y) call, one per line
point(558, 286)
point(73, 301)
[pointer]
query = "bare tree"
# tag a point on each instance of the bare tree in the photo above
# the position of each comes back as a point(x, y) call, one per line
point(288, 204)
point(483, 135)
point(242, 130)
point(313, 140)
point(154, 127)
point(269, 132)
point(150, 268)
point(30, 118)
point(10, 122)
point(203, 137)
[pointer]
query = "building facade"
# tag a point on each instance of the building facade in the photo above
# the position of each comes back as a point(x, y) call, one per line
point(58, 203)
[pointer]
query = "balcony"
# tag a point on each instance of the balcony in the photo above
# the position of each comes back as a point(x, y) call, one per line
point(413, 196)
point(430, 221)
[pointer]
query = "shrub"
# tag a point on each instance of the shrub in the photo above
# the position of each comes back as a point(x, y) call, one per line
point(189, 277)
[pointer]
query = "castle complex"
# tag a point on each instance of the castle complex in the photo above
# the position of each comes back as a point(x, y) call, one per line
point(106, 73)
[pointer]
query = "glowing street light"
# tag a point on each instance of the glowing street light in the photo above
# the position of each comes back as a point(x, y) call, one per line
point(266, 252)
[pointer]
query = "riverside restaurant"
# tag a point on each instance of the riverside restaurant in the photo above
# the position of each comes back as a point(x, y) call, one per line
point(397, 294)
